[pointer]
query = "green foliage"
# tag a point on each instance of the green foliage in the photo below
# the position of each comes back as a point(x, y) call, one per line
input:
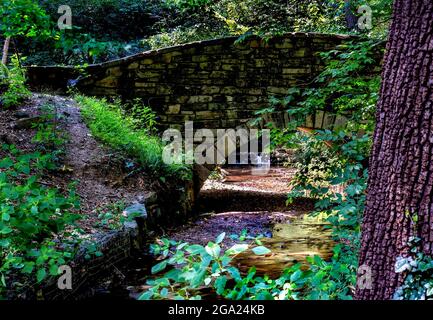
point(184, 4)
point(417, 269)
point(109, 123)
point(33, 216)
point(112, 216)
point(100, 33)
point(315, 163)
point(181, 35)
point(13, 90)
point(325, 280)
point(23, 18)
point(190, 268)
point(142, 116)
point(49, 139)
point(73, 47)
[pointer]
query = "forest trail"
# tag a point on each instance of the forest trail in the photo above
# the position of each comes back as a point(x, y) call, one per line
point(101, 177)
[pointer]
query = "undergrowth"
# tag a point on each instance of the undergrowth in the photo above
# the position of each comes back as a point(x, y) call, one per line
point(37, 221)
point(109, 123)
point(13, 90)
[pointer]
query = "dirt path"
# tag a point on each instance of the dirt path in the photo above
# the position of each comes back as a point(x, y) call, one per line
point(101, 175)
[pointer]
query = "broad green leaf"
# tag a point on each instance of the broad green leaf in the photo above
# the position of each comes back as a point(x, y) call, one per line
point(195, 249)
point(261, 250)
point(159, 267)
point(237, 248)
point(164, 292)
point(41, 274)
point(220, 238)
point(213, 249)
point(220, 284)
point(295, 275)
point(146, 295)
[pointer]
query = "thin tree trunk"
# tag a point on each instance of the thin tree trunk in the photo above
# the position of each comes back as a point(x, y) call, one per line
point(6, 50)
point(401, 167)
point(351, 18)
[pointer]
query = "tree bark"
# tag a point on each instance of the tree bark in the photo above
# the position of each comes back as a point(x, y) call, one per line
point(401, 167)
point(6, 50)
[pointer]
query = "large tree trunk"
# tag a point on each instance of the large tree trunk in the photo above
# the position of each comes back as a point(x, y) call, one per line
point(401, 166)
point(6, 50)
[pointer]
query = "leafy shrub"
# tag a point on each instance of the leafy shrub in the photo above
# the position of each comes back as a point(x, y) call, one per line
point(180, 35)
point(417, 268)
point(13, 90)
point(109, 123)
point(142, 116)
point(192, 267)
point(112, 216)
point(33, 216)
point(315, 164)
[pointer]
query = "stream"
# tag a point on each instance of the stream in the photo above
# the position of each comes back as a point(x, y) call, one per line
point(239, 203)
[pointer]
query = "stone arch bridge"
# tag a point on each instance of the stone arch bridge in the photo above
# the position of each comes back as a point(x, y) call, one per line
point(218, 83)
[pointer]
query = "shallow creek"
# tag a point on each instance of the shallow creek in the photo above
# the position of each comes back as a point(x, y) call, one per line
point(239, 202)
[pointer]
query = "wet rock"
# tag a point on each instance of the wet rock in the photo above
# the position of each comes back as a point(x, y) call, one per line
point(136, 210)
point(27, 123)
point(8, 139)
point(21, 115)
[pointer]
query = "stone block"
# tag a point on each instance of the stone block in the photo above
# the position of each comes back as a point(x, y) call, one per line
point(148, 74)
point(218, 74)
point(174, 109)
point(300, 53)
point(277, 90)
point(296, 70)
point(146, 61)
point(200, 58)
point(199, 99)
point(285, 44)
point(108, 82)
point(213, 49)
point(229, 67)
point(115, 72)
point(209, 90)
point(255, 92)
point(207, 115)
point(164, 90)
point(133, 65)
point(230, 90)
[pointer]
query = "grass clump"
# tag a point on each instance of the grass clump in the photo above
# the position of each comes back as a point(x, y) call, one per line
point(109, 123)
